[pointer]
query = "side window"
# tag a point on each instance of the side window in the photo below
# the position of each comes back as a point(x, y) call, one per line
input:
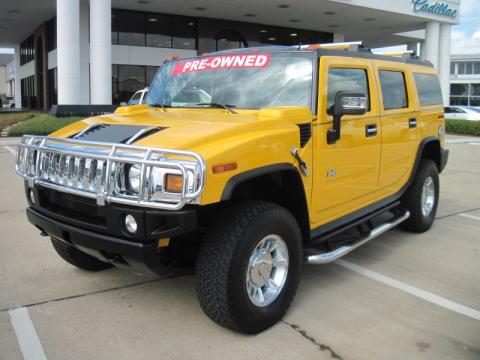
point(428, 88)
point(346, 79)
point(393, 89)
point(449, 110)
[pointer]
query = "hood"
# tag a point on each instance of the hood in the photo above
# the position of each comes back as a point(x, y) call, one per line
point(181, 128)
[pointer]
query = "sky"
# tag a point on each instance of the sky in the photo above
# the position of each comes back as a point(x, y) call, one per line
point(465, 37)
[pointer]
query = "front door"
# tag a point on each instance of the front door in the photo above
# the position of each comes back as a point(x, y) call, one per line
point(346, 173)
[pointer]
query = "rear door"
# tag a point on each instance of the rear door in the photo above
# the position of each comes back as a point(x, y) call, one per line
point(345, 173)
point(400, 125)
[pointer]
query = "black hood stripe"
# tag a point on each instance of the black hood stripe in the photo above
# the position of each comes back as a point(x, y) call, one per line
point(121, 134)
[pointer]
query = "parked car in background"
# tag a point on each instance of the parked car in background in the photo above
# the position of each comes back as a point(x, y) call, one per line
point(139, 97)
point(462, 113)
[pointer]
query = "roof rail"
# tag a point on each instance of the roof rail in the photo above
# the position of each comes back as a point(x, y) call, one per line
point(352, 46)
point(406, 53)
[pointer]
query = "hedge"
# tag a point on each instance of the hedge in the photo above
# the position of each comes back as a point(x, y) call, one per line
point(463, 127)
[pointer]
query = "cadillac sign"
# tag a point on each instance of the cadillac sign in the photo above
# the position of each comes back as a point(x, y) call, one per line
point(436, 8)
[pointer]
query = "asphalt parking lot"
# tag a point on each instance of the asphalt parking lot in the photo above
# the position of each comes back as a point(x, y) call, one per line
point(401, 296)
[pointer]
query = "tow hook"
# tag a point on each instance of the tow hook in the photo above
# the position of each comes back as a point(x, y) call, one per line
point(301, 163)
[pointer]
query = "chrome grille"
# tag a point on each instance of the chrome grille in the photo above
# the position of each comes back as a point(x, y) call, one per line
point(98, 170)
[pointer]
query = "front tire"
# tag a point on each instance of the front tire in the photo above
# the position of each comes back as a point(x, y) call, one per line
point(77, 258)
point(421, 198)
point(249, 266)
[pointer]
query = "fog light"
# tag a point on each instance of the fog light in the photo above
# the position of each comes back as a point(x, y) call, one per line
point(31, 196)
point(131, 224)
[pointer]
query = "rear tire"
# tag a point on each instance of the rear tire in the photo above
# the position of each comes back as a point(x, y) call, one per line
point(421, 198)
point(242, 256)
point(77, 258)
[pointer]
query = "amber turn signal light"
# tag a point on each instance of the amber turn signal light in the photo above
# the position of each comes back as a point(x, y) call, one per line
point(224, 167)
point(173, 183)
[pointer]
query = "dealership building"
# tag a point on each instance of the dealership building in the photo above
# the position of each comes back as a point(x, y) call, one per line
point(465, 80)
point(98, 52)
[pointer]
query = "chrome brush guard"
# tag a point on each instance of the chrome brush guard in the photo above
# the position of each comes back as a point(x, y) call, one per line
point(99, 170)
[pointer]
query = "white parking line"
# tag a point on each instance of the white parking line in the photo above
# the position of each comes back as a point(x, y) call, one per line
point(12, 151)
point(26, 335)
point(462, 141)
point(412, 290)
point(470, 216)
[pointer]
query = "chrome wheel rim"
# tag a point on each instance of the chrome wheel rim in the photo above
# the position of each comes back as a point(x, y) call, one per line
point(267, 270)
point(428, 196)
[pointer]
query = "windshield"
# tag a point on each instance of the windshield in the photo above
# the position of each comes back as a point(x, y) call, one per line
point(249, 81)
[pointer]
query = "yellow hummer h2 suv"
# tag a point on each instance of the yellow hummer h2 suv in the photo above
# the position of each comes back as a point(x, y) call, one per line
point(243, 165)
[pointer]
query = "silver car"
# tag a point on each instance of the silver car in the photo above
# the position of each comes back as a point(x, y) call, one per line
point(462, 113)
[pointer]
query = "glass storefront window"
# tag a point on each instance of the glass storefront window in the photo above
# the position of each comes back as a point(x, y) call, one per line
point(159, 30)
point(131, 78)
point(475, 101)
point(469, 68)
point(128, 79)
point(459, 89)
point(476, 68)
point(131, 28)
point(184, 33)
point(114, 27)
point(150, 73)
point(228, 40)
point(459, 100)
point(268, 35)
point(474, 89)
point(452, 68)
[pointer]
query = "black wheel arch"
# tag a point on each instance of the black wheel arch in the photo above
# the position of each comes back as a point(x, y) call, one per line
point(430, 148)
point(278, 183)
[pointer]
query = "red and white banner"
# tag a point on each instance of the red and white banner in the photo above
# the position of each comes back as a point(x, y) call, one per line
point(222, 62)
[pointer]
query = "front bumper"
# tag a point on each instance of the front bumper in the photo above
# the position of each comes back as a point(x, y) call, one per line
point(99, 231)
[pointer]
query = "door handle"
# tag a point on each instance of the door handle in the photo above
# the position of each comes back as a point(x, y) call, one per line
point(371, 130)
point(412, 123)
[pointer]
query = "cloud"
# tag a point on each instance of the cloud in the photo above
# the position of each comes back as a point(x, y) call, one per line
point(468, 7)
point(465, 44)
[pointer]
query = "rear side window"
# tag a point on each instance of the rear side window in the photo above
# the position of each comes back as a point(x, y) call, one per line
point(346, 79)
point(428, 88)
point(393, 90)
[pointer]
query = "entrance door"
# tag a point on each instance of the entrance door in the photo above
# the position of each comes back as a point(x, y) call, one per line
point(346, 173)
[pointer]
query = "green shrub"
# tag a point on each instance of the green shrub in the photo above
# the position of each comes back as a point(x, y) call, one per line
point(41, 124)
point(13, 118)
point(464, 127)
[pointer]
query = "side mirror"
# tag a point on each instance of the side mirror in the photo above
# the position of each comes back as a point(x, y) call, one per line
point(346, 103)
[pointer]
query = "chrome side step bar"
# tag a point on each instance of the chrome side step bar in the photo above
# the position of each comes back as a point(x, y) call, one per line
point(324, 258)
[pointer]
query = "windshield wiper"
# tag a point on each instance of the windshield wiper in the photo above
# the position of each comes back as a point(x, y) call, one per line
point(163, 106)
point(218, 105)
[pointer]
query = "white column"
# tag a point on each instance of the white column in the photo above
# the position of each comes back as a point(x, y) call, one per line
point(68, 51)
point(413, 46)
point(444, 61)
point(18, 88)
point(422, 50)
point(101, 51)
point(84, 54)
point(432, 39)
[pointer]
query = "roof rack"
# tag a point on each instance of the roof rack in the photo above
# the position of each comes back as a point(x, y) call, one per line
point(352, 46)
point(396, 53)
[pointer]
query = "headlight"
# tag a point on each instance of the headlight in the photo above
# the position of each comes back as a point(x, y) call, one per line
point(134, 174)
